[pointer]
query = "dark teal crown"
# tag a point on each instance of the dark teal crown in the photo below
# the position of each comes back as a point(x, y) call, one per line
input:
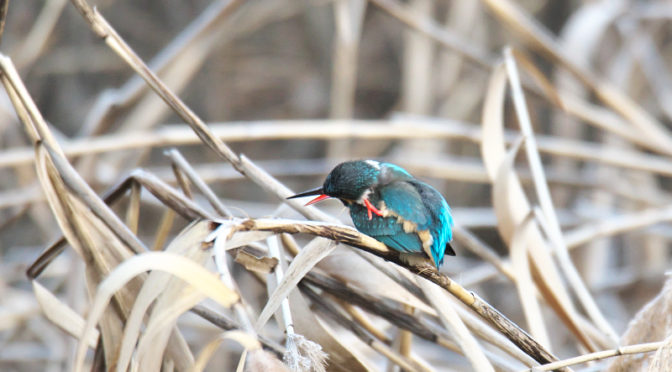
point(351, 179)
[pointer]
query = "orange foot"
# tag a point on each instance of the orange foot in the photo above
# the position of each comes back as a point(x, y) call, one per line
point(371, 209)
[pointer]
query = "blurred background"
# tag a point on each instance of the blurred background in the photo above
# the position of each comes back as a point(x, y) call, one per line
point(301, 85)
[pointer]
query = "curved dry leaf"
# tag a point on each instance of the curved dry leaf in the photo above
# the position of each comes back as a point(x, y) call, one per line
point(492, 135)
point(524, 284)
point(175, 301)
point(185, 269)
point(309, 256)
point(553, 232)
point(508, 200)
point(189, 245)
point(261, 265)
point(512, 206)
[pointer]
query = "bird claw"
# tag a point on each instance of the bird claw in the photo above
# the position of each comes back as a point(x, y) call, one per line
point(371, 209)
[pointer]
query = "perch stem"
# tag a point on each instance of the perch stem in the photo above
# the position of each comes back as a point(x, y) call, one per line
point(353, 238)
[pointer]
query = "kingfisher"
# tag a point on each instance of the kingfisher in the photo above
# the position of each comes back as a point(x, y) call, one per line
point(391, 206)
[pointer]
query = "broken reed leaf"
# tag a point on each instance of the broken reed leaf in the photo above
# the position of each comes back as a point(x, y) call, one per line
point(284, 319)
point(184, 268)
point(262, 265)
point(233, 237)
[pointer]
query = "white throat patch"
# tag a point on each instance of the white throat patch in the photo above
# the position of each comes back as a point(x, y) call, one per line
point(364, 196)
point(373, 163)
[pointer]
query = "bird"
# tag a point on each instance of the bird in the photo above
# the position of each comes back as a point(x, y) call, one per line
point(390, 205)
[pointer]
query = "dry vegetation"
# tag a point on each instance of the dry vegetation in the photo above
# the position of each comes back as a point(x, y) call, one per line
point(150, 242)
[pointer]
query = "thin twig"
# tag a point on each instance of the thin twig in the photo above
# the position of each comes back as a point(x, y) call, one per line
point(624, 350)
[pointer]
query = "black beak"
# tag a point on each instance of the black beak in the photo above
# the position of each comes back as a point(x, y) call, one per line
point(317, 191)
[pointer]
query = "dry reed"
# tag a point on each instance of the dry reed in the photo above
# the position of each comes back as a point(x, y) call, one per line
point(545, 124)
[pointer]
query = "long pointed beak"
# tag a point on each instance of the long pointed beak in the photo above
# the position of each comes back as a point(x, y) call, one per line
point(318, 191)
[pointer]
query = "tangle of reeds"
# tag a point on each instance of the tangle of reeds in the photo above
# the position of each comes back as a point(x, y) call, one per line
point(148, 150)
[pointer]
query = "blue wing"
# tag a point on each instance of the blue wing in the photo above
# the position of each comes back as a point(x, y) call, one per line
point(404, 199)
point(423, 205)
point(386, 230)
point(413, 201)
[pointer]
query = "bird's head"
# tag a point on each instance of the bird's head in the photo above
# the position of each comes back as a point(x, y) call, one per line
point(353, 181)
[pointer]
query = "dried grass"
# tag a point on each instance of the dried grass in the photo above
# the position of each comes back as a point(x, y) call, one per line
point(553, 149)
